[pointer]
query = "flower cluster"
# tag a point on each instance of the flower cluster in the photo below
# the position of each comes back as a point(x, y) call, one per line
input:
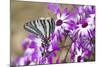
point(78, 24)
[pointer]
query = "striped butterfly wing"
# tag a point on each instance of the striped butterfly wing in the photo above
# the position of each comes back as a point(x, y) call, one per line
point(42, 27)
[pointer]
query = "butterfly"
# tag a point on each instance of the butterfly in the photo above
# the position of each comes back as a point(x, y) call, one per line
point(42, 27)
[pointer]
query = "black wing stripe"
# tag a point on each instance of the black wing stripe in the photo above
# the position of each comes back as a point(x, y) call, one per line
point(44, 27)
point(32, 24)
point(49, 24)
point(41, 27)
point(37, 30)
point(53, 24)
point(29, 29)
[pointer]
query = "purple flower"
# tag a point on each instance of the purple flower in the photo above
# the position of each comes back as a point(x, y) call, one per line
point(76, 53)
point(62, 17)
point(84, 29)
point(84, 24)
point(86, 9)
point(24, 60)
point(27, 41)
point(79, 57)
point(62, 28)
point(54, 43)
point(32, 51)
point(81, 49)
point(50, 57)
point(20, 61)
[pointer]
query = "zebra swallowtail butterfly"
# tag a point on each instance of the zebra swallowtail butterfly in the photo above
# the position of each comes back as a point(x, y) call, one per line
point(42, 27)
